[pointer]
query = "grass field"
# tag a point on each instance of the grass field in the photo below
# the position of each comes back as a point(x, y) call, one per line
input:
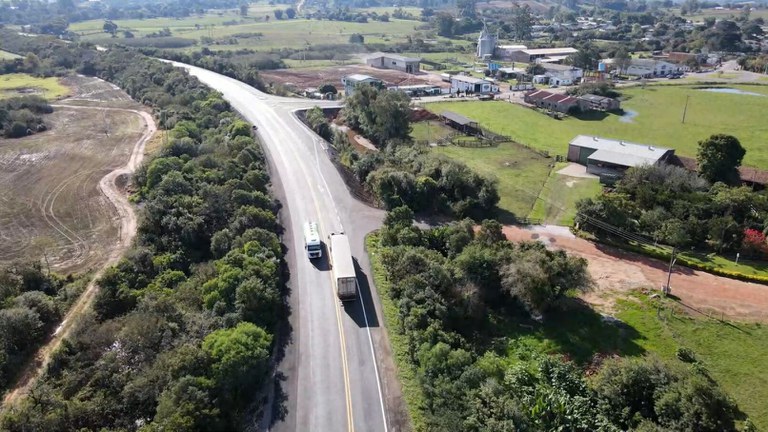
point(430, 131)
point(722, 14)
point(5, 55)
point(557, 201)
point(23, 84)
point(658, 122)
point(296, 33)
point(734, 353)
point(521, 173)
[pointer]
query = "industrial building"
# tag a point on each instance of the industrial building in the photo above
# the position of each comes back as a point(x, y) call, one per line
point(350, 81)
point(486, 44)
point(394, 61)
point(545, 55)
point(470, 84)
point(606, 156)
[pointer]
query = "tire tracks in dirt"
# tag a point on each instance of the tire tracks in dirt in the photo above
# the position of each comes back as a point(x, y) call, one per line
point(127, 231)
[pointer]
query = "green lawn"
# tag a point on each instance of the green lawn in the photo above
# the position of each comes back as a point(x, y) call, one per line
point(5, 55)
point(284, 33)
point(21, 84)
point(430, 131)
point(521, 173)
point(659, 109)
point(557, 200)
point(734, 353)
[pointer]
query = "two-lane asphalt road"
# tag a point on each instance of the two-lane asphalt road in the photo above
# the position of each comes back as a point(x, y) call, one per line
point(338, 367)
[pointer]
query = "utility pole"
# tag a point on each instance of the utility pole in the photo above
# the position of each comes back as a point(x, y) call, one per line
point(672, 260)
point(685, 110)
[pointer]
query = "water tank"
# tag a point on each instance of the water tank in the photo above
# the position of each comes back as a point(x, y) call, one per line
point(601, 67)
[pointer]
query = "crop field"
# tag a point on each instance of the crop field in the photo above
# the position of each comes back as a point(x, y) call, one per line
point(521, 174)
point(22, 84)
point(49, 182)
point(657, 120)
point(295, 33)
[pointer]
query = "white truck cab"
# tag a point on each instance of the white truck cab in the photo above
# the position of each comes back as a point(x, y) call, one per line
point(312, 240)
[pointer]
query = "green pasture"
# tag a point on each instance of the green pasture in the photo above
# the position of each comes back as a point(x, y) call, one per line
point(22, 84)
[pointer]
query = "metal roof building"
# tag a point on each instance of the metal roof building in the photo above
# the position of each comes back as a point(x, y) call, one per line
point(394, 61)
point(607, 156)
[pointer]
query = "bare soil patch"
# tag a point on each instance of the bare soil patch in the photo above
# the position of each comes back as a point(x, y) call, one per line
point(315, 77)
point(617, 271)
point(50, 200)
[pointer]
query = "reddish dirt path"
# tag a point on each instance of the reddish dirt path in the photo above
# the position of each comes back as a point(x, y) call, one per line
point(617, 270)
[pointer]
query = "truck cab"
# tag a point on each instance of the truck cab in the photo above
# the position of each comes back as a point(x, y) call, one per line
point(312, 243)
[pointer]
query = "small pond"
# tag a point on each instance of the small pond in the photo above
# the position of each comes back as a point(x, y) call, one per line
point(628, 116)
point(731, 91)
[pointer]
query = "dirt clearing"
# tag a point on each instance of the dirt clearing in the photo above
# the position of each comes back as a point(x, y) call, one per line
point(315, 77)
point(615, 270)
point(50, 200)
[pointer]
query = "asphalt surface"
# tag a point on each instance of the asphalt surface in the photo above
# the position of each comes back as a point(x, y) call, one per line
point(331, 373)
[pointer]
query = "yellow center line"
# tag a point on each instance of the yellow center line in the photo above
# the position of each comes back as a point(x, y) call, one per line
point(344, 364)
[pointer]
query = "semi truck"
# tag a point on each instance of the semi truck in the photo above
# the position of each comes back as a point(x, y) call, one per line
point(312, 240)
point(342, 266)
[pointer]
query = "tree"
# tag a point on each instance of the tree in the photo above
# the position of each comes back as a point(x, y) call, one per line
point(356, 38)
point(128, 34)
point(467, 8)
point(243, 10)
point(239, 358)
point(279, 14)
point(110, 27)
point(587, 57)
point(754, 243)
point(621, 60)
point(291, 13)
point(328, 88)
point(446, 24)
point(522, 22)
point(719, 158)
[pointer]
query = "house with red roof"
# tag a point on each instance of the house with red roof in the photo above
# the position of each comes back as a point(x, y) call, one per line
point(551, 101)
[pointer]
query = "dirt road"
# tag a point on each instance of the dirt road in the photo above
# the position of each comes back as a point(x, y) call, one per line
point(127, 230)
point(617, 270)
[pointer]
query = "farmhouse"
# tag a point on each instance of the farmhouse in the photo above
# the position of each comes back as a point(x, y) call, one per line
point(561, 75)
point(544, 54)
point(350, 81)
point(606, 156)
point(598, 103)
point(464, 83)
point(393, 61)
point(551, 101)
point(649, 68)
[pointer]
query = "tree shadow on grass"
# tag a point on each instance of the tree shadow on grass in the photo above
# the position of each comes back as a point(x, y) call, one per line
point(572, 328)
point(581, 332)
point(591, 115)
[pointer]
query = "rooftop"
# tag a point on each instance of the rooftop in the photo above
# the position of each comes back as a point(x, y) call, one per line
point(513, 47)
point(559, 67)
point(457, 118)
point(551, 51)
point(360, 78)
point(469, 79)
point(593, 98)
point(620, 152)
point(395, 57)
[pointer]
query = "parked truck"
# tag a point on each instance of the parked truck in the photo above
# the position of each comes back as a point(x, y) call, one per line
point(312, 240)
point(342, 266)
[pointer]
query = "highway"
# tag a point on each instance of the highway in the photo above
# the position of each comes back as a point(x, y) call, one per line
point(337, 371)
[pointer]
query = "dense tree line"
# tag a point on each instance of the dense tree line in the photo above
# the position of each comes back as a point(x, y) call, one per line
point(22, 116)
point(32, 302)
point(677, 207)
point(455, 288)
point(182, 327)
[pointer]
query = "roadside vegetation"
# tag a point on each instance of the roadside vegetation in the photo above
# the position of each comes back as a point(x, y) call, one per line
point(401, 173)
point(183, 327)
point(475, 360)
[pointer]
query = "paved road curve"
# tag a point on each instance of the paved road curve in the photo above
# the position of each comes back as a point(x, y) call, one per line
point(338, 367)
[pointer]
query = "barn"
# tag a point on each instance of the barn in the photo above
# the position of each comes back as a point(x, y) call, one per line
point(607, 156)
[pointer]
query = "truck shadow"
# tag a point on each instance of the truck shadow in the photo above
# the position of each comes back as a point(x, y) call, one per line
point(362, 312)
point(321, 263)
